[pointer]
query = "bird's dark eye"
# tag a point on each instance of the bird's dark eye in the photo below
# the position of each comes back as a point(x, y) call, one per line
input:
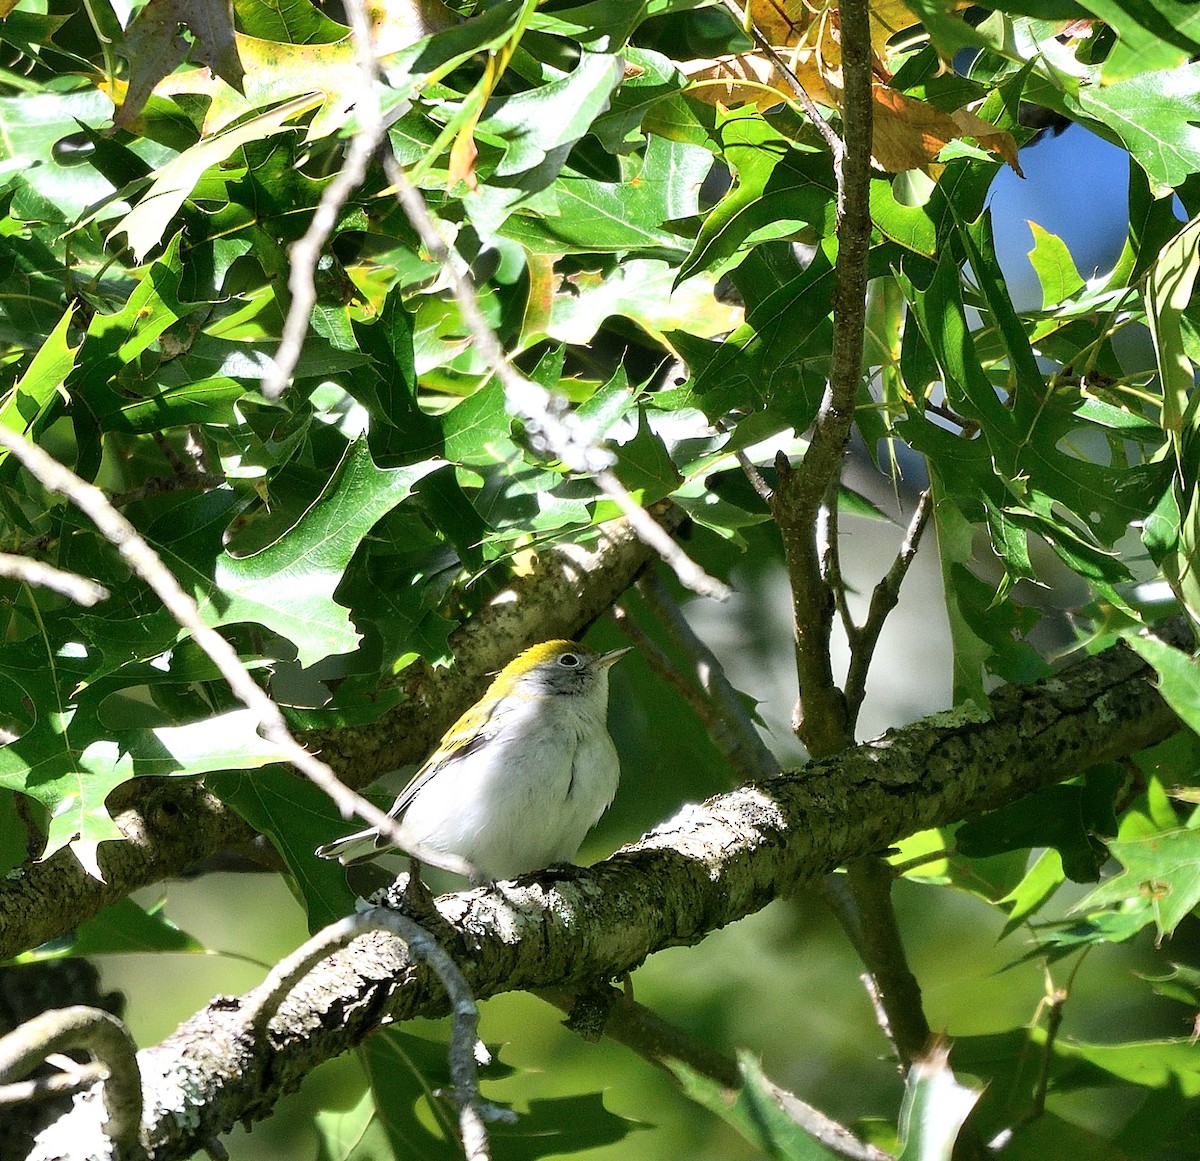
point(568, 659)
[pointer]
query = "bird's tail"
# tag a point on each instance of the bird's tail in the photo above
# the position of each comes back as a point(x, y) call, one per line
point(354, 848)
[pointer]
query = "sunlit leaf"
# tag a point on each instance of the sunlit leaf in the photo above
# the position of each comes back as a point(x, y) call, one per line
point(289, 585)
point(154, 47)
point(935, 1106)
point(145, 224)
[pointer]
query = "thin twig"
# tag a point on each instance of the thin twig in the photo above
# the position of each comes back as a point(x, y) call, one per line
point(71, 585)
point(902, 868)
point(829, 549)
point(802, 98)
point(1054, 1004)
point(734, 730)
point(163, 443)
point(306, 251)
point(660, 663)
point(147, 564)
point(473, 1110)
point(184, 477)
point(550, 426)
point(883, 600)
point(107, 1040)
point(45, 1087)
point(749, 469)
point(756, 478)
point(861, 902)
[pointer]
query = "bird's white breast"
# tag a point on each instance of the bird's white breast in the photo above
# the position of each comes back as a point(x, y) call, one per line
point(527, 798)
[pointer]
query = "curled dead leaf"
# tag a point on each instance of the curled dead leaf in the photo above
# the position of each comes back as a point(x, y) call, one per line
point(909, 134)
point(997, 141)
point(749, 78)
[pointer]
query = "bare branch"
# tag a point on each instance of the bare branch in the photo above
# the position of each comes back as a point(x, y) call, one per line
point(883, 600)
point(548, 424)
point(185, 476)
point(107, 1040)
point(71, 585)
point(730, 740)
point(751, 472)
point(882, 951)
point(804, 504)
point(306, 251)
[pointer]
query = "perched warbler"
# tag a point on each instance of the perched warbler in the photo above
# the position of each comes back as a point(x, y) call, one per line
point(519, 779)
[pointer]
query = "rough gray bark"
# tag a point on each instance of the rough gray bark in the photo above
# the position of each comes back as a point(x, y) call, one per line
point(711, 865)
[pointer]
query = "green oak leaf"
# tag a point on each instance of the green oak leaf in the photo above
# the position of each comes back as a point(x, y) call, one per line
point(1161, 871)
point(71, 758)
point(1054, 267)
point(287, 586)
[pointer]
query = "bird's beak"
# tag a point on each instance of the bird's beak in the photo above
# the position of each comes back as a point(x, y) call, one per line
point(607, 659)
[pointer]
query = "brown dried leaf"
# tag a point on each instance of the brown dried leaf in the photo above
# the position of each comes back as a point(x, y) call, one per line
point(782, 21)
point(909, 134)
point(997, 141)
point(739, 79)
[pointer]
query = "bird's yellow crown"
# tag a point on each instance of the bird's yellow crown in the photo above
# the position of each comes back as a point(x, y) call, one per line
point(534, 656)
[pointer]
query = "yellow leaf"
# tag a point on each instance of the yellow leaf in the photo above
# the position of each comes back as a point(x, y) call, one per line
point(277, 72)
point(462, 158)
point(748, 78)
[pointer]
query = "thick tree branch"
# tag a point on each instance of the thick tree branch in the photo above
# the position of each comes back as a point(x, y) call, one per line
point(173, 824)
point(711, 865)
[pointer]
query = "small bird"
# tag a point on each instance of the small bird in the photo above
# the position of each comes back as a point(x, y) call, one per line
point(519, 779)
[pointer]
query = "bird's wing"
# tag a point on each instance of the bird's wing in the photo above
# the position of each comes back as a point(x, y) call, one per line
point(476, 727)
